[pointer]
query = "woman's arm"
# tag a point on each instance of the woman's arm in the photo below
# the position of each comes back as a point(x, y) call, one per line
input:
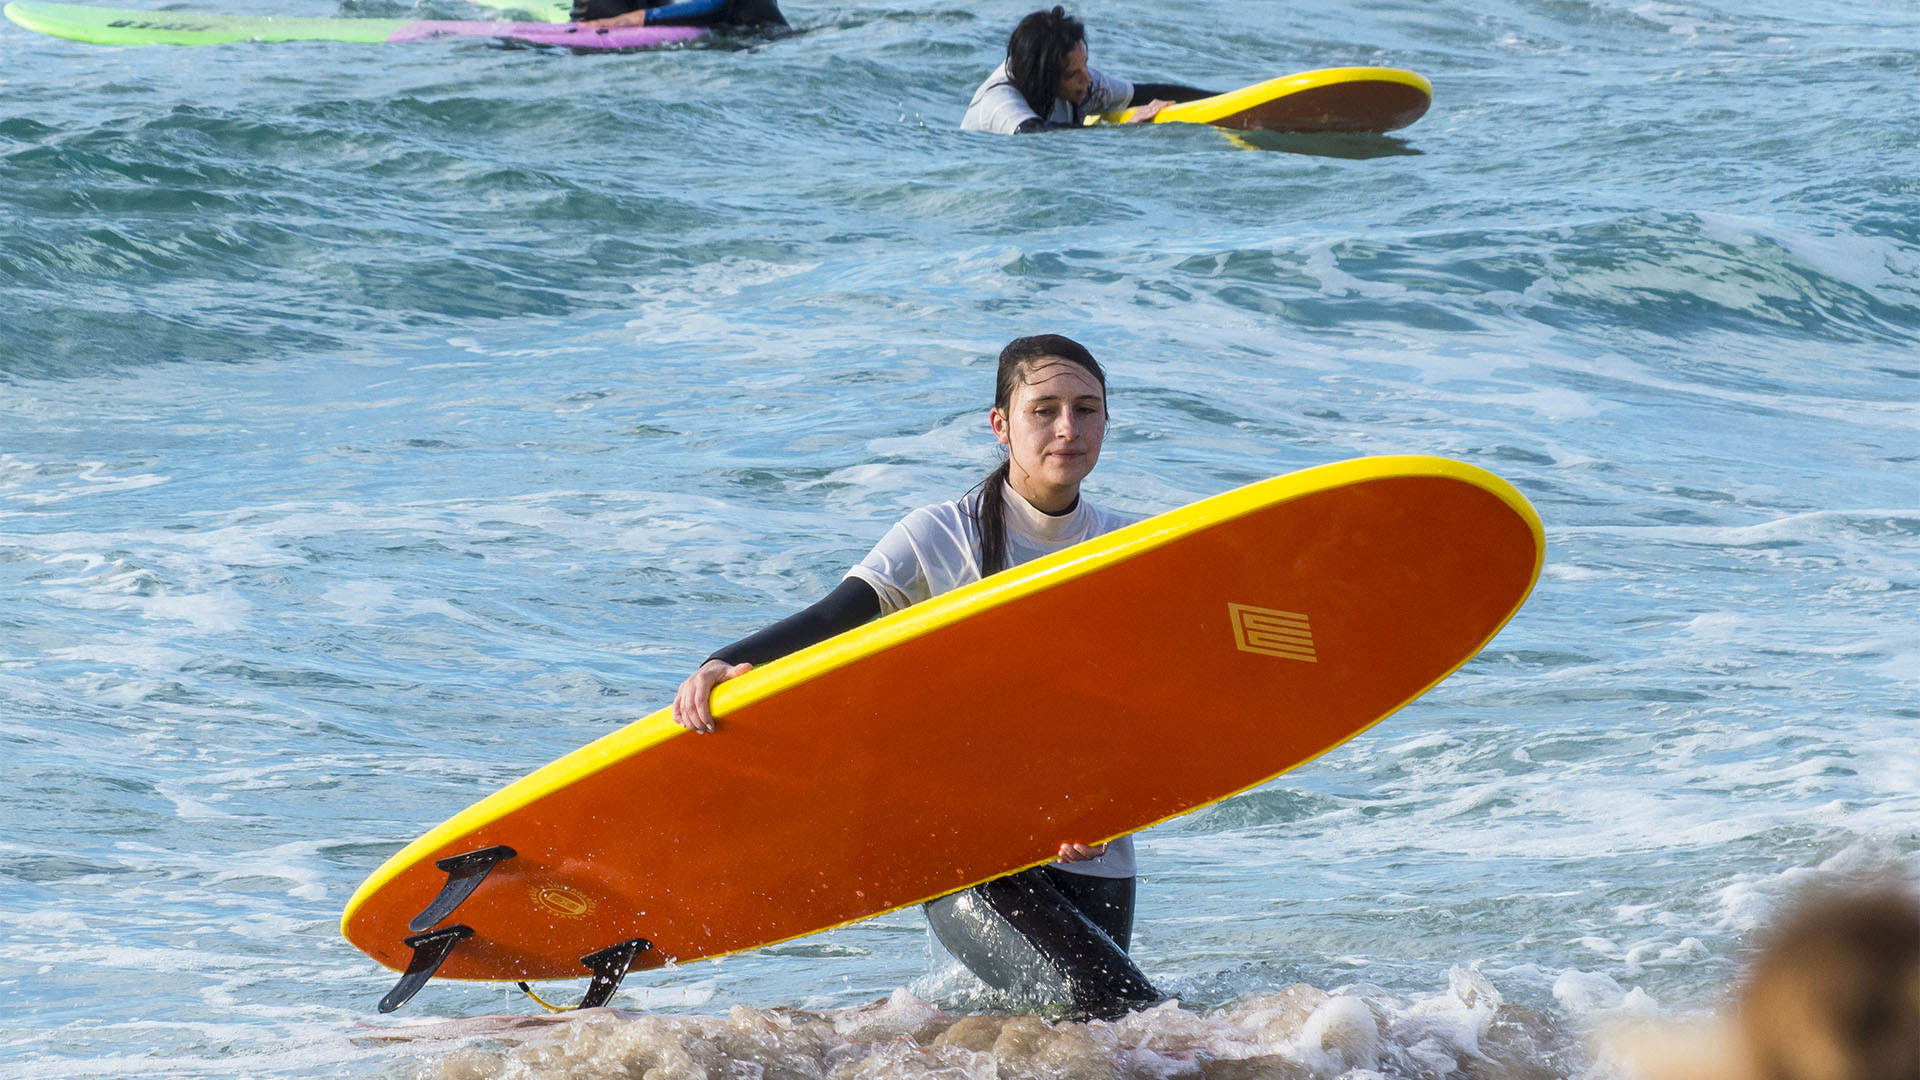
point(1148, 98)
point(852, 603)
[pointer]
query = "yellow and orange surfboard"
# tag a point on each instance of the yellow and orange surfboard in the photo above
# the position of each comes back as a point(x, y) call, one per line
point(1079, 697)
point(1346, 99)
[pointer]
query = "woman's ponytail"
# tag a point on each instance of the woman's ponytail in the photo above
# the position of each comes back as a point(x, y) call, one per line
point(992, 520)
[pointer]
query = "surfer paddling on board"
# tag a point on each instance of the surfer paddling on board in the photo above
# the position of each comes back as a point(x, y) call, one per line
point(1045, 84)
point(1063, 927)
point(607, 14)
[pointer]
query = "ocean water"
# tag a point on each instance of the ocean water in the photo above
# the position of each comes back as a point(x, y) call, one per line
point(379, 423)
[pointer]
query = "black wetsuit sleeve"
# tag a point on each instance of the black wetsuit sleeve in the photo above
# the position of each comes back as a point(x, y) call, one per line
point(851, 603)
point(716, 13)
point(1146, 92)
point(686, 13)
point(1143, 93)
point(1033, 123)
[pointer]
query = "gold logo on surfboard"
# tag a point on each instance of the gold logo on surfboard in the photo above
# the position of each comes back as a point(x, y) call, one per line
point(1272, 633)
point(563, 902)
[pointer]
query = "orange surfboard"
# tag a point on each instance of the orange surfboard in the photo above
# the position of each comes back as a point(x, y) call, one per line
point(1078, 697)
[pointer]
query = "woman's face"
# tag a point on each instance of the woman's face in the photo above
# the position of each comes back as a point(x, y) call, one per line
point(1074, 80)
point(1052, 429)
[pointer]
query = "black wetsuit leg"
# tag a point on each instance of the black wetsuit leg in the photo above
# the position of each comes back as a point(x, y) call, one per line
point(1021, 934)
point(1106, 901)
point(1144, 92)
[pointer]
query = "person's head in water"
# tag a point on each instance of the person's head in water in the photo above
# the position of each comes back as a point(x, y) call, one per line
point(1050, 412)
point(1047, 60)
point(1836, 993)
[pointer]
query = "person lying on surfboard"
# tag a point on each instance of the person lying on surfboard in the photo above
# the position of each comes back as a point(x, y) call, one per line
point(1070, 921)
point(1045, 84)
point(612, 13)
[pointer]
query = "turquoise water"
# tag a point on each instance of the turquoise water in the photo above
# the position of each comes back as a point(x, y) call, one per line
point(378, 423)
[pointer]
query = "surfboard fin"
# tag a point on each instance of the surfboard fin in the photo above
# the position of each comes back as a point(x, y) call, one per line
point(464, 872)
point(429, 952)
point(609, 966)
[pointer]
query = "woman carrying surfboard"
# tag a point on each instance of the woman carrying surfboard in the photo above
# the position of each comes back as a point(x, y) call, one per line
point(1045, 84)
point(1064, 927)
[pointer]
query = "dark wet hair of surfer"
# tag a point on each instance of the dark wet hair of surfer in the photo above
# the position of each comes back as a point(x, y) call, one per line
point(741, 13)
point(1054, 933)
point(1833, 994)
point(1836, 993)
point(1045, 83)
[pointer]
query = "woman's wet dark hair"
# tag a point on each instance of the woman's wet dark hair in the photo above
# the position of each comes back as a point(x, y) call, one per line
point(1037, 55)
point(1016, 362)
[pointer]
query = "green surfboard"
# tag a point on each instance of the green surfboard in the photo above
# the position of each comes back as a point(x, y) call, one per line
point(112, 26)
point(555, 11)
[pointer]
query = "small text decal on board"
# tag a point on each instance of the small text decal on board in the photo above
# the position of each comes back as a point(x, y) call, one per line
point(564, 902)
